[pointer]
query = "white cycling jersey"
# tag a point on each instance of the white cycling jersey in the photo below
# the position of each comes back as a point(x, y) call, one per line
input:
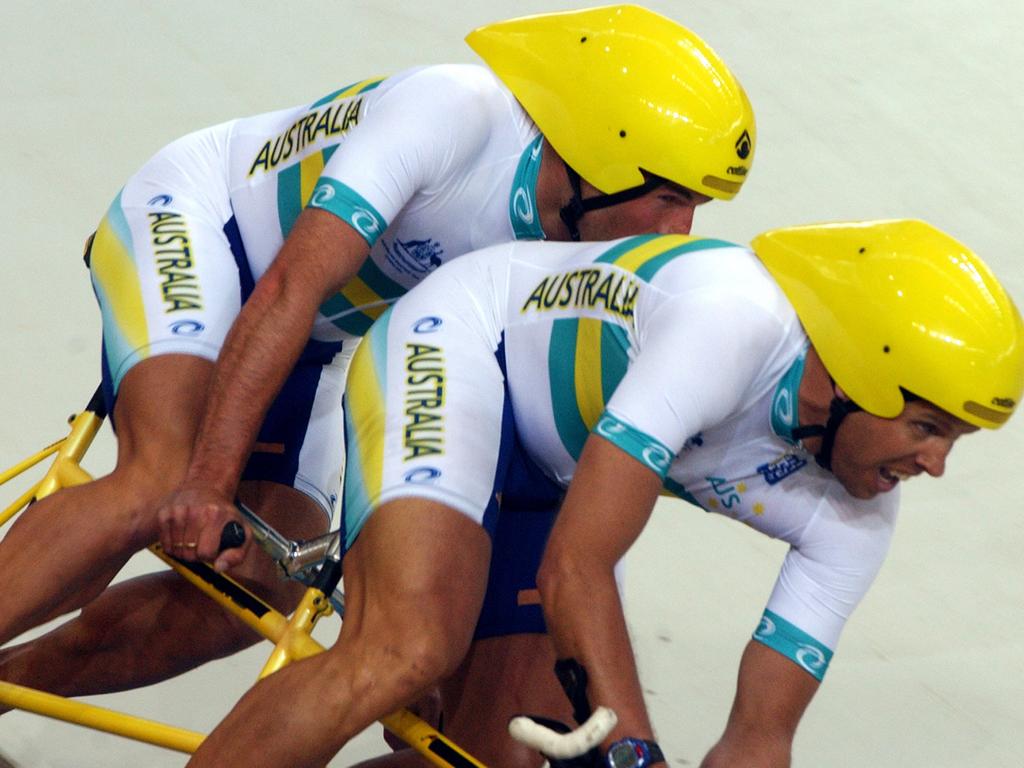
point(681, 351)
point(433, 162)
point(427, 164)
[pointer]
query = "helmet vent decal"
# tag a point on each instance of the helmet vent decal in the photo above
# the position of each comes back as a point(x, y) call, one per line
point(984, 412)
point(723, 185)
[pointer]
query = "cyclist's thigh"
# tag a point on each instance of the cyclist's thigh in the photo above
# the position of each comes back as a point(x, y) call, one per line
point(502, 677)
point(426, 411)
point(157, 413)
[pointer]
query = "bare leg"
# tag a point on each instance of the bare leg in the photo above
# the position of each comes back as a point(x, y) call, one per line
point(154, 627)
point(414, 584)
point(157, 626)
point(500, 677)
point(64, 550)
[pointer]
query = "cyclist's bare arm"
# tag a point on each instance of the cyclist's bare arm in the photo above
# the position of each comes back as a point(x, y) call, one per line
point(320, 255)
point(772, 694)
point(608, 503)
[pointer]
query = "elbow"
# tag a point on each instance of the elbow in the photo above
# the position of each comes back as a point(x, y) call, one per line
point(558, 574)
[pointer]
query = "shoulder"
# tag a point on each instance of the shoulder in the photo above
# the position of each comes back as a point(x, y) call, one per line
point(469, 85)
point(857, 530)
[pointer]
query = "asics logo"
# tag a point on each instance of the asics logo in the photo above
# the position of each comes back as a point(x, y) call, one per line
point(365, 223)
point(607, 427)
point(427, 324)
point(784, 407)
point(322, 194)
point(657, 457)
point(187, 328)
point(810, 658)
point(766, 628)
point(523, 206)
point(160, 200)
point(422, 475)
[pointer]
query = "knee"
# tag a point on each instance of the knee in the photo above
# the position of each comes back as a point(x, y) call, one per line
point(405, 657)
point(427, 656)
point(128, 501)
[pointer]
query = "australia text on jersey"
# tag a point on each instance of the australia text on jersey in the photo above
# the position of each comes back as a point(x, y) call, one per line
point(332, 120)
point(611, 290)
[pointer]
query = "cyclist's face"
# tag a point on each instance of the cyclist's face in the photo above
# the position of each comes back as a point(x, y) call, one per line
point(665, 210)
point(872, 455)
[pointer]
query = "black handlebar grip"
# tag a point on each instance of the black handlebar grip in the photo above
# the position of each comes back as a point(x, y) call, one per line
point(232, 536)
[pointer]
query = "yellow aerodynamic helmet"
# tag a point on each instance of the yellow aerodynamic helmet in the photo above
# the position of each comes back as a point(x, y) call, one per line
point(619, 90)
point(899, 306)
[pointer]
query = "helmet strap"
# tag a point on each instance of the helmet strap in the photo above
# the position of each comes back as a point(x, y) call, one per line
point(838, 410)
point(577, 207)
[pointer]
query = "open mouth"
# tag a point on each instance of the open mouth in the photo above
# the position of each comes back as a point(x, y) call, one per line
point(890, 477)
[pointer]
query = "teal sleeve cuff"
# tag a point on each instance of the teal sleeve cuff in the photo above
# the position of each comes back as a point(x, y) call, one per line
point(793, 643)
point(348, 205)
point(639, 445)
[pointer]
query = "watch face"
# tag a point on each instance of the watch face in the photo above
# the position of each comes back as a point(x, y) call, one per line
point(623, 756)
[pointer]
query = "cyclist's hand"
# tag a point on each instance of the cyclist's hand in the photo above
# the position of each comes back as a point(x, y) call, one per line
point(192, 521)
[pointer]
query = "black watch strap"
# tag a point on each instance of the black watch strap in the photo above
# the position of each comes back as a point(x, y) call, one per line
point(657, 756)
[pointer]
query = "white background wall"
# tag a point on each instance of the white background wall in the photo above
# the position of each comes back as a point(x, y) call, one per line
point(866, 109)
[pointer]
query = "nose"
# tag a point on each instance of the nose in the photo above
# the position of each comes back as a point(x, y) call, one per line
point(932, 458)
point(678, 222)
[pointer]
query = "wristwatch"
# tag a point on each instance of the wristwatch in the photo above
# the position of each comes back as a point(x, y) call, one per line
point(634, 753)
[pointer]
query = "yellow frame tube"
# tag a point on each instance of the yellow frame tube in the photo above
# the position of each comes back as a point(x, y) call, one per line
point(99, 719)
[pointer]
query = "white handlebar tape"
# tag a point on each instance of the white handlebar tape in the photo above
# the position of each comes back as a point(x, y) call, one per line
point(562, 746)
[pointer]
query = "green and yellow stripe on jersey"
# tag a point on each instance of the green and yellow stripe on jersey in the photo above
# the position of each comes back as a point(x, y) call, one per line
point(644, 255)
point(352, 89)
point(115, 279)
point(599, 349)
point(296, 183)
point(599, 353)
point(365, 416)
point(362, 300)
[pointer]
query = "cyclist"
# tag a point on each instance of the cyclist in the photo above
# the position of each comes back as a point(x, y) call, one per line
point(305, 223)
point(793, 390)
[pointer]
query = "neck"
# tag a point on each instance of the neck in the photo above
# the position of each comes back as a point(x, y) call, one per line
point(553, 192)
point(814, 397)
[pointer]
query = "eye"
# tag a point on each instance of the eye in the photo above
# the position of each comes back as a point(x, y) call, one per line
point(675, 198)
point(927, 428)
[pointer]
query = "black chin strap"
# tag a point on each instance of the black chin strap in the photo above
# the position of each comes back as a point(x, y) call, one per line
point(838, 410)
point(574, 210)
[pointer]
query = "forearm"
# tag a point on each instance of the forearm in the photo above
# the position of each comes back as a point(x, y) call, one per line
point(772, 694)
point(320, 256)
point(259, 351)
point(596, 525)
point(597, 637)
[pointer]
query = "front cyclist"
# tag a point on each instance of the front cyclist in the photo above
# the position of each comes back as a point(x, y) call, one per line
point(793, 390)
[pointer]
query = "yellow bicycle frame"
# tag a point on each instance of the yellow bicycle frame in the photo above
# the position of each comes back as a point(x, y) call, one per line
point(291, 636)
